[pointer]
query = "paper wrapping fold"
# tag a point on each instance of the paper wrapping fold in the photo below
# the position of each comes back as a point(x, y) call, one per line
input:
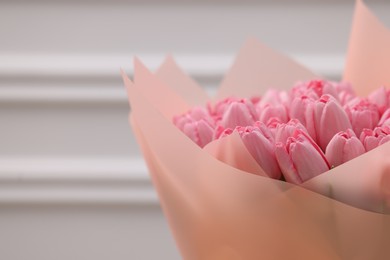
point(368, 58)
point(217, 211)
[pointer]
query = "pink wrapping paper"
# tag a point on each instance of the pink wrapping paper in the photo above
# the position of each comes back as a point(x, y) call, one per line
point(368, 58)
point(222, 206)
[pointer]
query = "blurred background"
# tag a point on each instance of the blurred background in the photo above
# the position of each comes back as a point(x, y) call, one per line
point(73, 184)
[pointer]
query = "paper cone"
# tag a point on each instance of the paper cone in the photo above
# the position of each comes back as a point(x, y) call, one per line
point(224, 208)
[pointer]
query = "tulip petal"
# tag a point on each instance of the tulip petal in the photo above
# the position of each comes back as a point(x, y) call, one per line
point(334, 119)
point(262, 151)
point(308, 162)
point(286, 164)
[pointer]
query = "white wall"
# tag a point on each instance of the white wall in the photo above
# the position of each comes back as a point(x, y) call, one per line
point(72, 182)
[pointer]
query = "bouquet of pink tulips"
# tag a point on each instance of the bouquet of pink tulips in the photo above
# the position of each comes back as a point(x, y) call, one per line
point(299, 134)
point(296, 171)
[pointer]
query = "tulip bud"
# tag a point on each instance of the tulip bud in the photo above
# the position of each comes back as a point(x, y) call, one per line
point(298, 108)
point(197, 124)
point(314, 89)
point(195, 114)
point(381, 98)
point(373, 138)
point(268, 111)
point(259, 142)
point(345, 92)
point(362, 114)
point(344, 146)
point(325, 118)
point(284, 131)
point(221, 131)
point(385, 118)
point(300, 158)
point(217, 110)
point(272, 124)
point(275, 97)
point(199, 131)
point(255, 99)
point(265, 130)
point(239, 113)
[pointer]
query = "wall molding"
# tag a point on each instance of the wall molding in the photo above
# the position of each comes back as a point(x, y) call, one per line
point(75, 181)
point(96, 78)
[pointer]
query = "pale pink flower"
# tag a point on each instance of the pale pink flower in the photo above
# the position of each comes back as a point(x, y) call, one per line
point(255, 99)
point(259, 142)
point(300, 158)
point(373, 138)
point(314, 89)
point(267, 112)
point(275, 97)
point(381, 98)
point(272, 124)
point(362, 114)
point(239, 113)
point(344, 91)
point(218, 109)
point(385, 118)
point(273, 104)
point(194, 114)
point(197, 124)
point(221, 131)
point(265, 130)
point(298, 108)
point(344, 146)
point(284, 131)
point(325, 118)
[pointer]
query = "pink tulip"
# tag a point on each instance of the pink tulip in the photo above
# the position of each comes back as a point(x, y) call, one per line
point(284, 131)
point(345, 92)
point(300, 158)
point(314, 89)
point(344, 146)
point(218, 109)
point(220, 131)
point(273, 104)
point(381, 98)
point(255, 100)
point(298, 108)
point(265, 130)
point(275, 97)
point(272, 124)
point(197, 124)
point(195, 114)
point(267, 112)
point(362, 114)
point(373, 138)
point(260, 145)
point(385, 118)
point(325, 118)
point(200, 132)
point(239, 113)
